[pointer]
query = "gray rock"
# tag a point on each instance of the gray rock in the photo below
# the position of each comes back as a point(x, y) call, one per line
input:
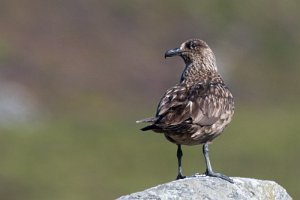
point(209, 188)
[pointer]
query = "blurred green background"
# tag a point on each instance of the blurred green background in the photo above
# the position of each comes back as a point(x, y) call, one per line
point(75, 75)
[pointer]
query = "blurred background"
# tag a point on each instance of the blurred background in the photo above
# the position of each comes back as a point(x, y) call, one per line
point(76, 75)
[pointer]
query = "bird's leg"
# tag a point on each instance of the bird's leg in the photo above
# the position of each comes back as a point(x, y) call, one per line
point(209, 171)
point(179, 156)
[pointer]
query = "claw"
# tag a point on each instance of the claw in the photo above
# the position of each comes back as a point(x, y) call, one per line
point(218, 175)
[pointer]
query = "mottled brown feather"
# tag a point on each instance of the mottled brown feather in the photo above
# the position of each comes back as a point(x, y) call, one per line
point(197, 109)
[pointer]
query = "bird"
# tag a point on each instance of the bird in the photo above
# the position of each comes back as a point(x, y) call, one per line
point(197, 109)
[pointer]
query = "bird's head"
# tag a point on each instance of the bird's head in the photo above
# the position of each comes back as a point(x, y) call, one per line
point(193, 51)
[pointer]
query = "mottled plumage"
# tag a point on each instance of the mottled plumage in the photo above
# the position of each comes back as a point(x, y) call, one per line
point(200, 106)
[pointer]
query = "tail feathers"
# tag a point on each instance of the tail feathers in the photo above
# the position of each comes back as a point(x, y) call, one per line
point(150, 119)
point(150, 127)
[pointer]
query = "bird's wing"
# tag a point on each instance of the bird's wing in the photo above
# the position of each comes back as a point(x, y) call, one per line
point(203, 104)
point(150, 119)
point(209, 103)
point(172, 108)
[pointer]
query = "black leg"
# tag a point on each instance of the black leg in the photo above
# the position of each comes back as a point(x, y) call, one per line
point(179, 156)
point(209, 171)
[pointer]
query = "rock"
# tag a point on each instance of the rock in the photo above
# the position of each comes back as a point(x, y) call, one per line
point(209, 188)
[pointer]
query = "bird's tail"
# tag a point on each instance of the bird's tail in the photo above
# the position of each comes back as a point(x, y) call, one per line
point(150, 127)
point(150, 119)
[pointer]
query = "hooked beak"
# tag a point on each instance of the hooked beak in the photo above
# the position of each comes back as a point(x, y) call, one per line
point(173, 52)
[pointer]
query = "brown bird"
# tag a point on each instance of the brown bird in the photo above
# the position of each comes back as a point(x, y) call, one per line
point(198, 108)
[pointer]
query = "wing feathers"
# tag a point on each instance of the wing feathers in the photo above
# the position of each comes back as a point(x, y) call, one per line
point(203, 104)
point(150, 119)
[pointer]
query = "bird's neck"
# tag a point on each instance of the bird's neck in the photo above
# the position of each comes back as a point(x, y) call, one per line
point(198, 71)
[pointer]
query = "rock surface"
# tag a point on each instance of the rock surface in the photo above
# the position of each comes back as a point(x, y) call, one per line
point(208, 188)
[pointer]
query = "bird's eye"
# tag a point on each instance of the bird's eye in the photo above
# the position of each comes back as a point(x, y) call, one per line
point(192, 45)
